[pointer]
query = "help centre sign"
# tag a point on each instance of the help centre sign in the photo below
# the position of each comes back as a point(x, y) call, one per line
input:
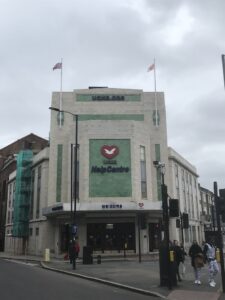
point(109, 168)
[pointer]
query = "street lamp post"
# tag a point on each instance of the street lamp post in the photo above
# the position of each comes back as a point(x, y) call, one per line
point(165, 208)
point(73, 212)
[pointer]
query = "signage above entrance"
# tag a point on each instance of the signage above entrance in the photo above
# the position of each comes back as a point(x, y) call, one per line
point(111, 206)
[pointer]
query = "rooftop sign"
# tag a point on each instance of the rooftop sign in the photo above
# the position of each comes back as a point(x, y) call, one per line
point(105, 97)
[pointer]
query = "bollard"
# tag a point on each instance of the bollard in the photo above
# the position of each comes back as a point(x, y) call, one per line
point(171, 256)
point(47, 255)
point(218, 255)
point(99, 259)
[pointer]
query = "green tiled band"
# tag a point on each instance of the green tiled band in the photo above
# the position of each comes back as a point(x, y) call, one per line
point(111, 117)
point(59, 173)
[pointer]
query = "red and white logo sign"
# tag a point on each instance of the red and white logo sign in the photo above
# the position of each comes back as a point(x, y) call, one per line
point(109, 151)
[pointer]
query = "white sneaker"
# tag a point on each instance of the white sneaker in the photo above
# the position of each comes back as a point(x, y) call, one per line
point(196, 281)
point(199, 282)
point(212, 283)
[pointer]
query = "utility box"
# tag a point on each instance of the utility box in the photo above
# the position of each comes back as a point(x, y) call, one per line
point(47, 255)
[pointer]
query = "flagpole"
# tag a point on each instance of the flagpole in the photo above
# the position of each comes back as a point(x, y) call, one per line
point(223, 65)
point(156, 104)
point(60, 98)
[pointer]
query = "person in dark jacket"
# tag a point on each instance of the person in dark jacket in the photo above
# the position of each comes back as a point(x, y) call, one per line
point(196, 254)
point(178, 257)
point(71, 252)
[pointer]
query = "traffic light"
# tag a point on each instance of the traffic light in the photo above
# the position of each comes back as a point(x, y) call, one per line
point(174, 208)
point(143, 221)
point(177, 223)
point(221, 203)
point(185, 221)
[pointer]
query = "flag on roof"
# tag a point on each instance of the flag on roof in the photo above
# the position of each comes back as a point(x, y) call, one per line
point(57, 66)
point(151, 67)
point(223, 65)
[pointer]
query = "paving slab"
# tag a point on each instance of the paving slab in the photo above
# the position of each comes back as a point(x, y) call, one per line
point(192, 295)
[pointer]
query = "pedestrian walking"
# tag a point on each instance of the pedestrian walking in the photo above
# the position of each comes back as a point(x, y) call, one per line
point(182, 265)
point(71, 251)
point(77, 249)
point(197, 260)
point(178, 257)
point(210, 256)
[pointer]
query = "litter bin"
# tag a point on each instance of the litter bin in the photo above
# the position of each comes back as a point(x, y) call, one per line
point(87, 255)
point(47, 255)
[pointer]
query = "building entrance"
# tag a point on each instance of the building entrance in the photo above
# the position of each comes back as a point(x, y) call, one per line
point(111, 236)
point(154, 236)
point(64, 237)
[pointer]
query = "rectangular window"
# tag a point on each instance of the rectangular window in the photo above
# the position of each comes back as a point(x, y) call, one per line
point(14, 192)
point(190, 179)
point(177, 182)
point(176, 170)
point(186, 235)
point(30, 231)
point(8, 219)
point(32, 195)
point(59, 172)
point(158, 172)
point(143, 173)
point(38, 192)
point(37, 231)
point(10, 195)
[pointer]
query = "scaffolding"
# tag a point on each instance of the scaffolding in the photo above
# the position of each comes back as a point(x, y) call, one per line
point(22, 194)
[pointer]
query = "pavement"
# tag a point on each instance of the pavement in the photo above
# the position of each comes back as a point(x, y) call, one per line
point(129, 273)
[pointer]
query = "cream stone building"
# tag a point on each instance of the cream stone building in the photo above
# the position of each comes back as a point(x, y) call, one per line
point(119, 134)
point(183, 185)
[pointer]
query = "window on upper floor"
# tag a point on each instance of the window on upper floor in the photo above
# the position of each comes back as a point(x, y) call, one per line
point(32, 195)
point(30, 231)
point(37, 231)
point(38, 192)
point(143, 173)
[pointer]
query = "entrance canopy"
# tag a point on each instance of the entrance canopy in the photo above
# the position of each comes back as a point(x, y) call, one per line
point(105, 206)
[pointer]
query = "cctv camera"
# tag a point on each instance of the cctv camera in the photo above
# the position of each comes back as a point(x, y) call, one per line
point(157, 163)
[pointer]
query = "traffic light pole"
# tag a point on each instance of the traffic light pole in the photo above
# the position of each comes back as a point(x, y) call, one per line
point(182, 228)
point(219, 234)
point(166, 229)
point(165, 209)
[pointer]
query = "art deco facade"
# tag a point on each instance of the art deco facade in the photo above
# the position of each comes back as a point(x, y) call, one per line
point(120, 133)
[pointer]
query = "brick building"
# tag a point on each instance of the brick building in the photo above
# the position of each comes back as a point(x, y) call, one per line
point(8, 165)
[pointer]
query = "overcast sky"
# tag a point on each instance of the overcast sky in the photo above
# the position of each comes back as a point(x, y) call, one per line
point(112, 43)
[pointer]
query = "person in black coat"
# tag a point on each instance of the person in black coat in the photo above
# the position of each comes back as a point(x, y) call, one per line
point(195, 251)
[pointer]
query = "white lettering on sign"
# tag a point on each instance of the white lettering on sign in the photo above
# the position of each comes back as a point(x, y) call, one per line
point(110, 206)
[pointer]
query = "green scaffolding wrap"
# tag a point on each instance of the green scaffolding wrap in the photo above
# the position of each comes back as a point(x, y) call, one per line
point(22, 194)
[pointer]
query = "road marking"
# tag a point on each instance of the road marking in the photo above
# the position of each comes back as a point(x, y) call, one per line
point(23, 262)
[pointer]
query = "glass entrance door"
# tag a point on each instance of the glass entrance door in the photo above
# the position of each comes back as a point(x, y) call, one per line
point(111, 236)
